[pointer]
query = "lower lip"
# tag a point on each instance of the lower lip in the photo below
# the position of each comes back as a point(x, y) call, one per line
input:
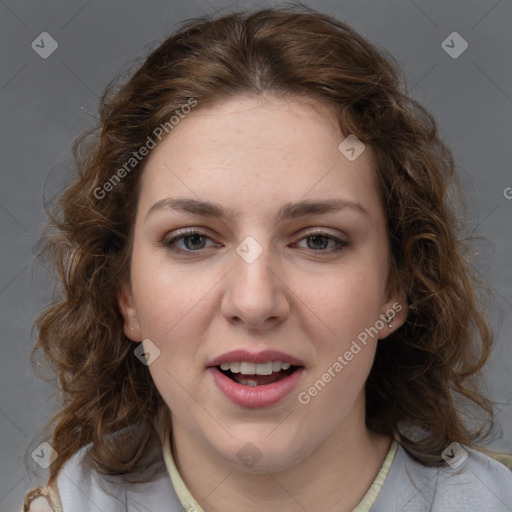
point(255, 396)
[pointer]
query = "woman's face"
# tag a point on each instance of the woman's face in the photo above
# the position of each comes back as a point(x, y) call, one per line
point(271, 246)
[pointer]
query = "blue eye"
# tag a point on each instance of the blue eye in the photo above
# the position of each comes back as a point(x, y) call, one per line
point(195, 241)
point(320, 241)
point(192, 240)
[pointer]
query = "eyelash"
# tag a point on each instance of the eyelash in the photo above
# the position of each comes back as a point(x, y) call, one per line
point(341, 244)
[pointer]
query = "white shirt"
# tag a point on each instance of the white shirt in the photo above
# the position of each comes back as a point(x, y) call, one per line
point(477, 484)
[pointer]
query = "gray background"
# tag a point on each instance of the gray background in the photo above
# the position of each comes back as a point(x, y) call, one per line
point(46, 103)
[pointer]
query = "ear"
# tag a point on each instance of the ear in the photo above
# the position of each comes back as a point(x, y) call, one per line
point(395, 309)
point(126, 305)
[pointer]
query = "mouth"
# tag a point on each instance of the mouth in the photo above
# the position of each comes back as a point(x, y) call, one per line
point(256, 374)
point(256, 379)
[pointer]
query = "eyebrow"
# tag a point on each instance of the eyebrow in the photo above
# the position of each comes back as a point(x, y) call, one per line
point(287, 211)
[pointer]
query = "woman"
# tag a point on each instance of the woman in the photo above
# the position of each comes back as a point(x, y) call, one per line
point(272, 221)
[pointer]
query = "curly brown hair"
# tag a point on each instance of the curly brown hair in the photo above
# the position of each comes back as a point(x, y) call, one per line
point(423, 374)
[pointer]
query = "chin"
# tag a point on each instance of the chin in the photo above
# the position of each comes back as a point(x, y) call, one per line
point(254, 454)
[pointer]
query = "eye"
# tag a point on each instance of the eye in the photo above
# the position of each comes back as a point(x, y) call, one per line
point(319, 241)
point(193, 241)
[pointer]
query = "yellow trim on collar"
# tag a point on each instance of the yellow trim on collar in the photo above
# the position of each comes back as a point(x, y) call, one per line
point(371, 494)
point(186, 499)
point(191, 505)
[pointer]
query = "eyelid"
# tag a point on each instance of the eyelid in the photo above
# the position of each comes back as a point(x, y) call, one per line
point(205, 232)
point(341, 244)
point(303, 234)
point(184, 233)
point(321, 231)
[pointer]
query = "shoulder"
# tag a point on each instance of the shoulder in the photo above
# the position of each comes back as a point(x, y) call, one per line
point(79, 488)
point(472, 481)
point(41, 499)
point(475, 482)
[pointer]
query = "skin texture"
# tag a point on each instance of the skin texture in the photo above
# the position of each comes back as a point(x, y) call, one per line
point(252, 155)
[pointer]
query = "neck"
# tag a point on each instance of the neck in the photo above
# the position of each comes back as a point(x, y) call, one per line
point(334, 477)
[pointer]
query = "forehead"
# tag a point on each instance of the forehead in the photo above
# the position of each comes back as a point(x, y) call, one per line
point(266, 149)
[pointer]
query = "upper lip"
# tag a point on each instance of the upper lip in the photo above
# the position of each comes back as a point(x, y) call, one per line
point(255, 357)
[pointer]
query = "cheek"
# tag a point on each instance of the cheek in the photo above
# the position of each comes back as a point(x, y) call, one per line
point(345, 345)
point(349, 304)
point(170, 315)
point(345, 302)
point(330, 393)
point(168, 295)
point(168, 308)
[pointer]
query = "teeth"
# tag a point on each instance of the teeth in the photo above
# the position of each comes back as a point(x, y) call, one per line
point(248, 382)
point(276, 366)
point(246, 368)
point(264, 368)
point(234, 367)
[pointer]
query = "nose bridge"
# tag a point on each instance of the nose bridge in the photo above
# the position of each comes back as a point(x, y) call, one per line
point(252, 270)
point(254, 293)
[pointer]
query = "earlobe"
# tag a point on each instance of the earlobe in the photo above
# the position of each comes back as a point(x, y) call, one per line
point(126, 306)
point(393, 317)
point(396, 310)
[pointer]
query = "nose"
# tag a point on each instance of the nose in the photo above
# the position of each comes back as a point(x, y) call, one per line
point(256, 295)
